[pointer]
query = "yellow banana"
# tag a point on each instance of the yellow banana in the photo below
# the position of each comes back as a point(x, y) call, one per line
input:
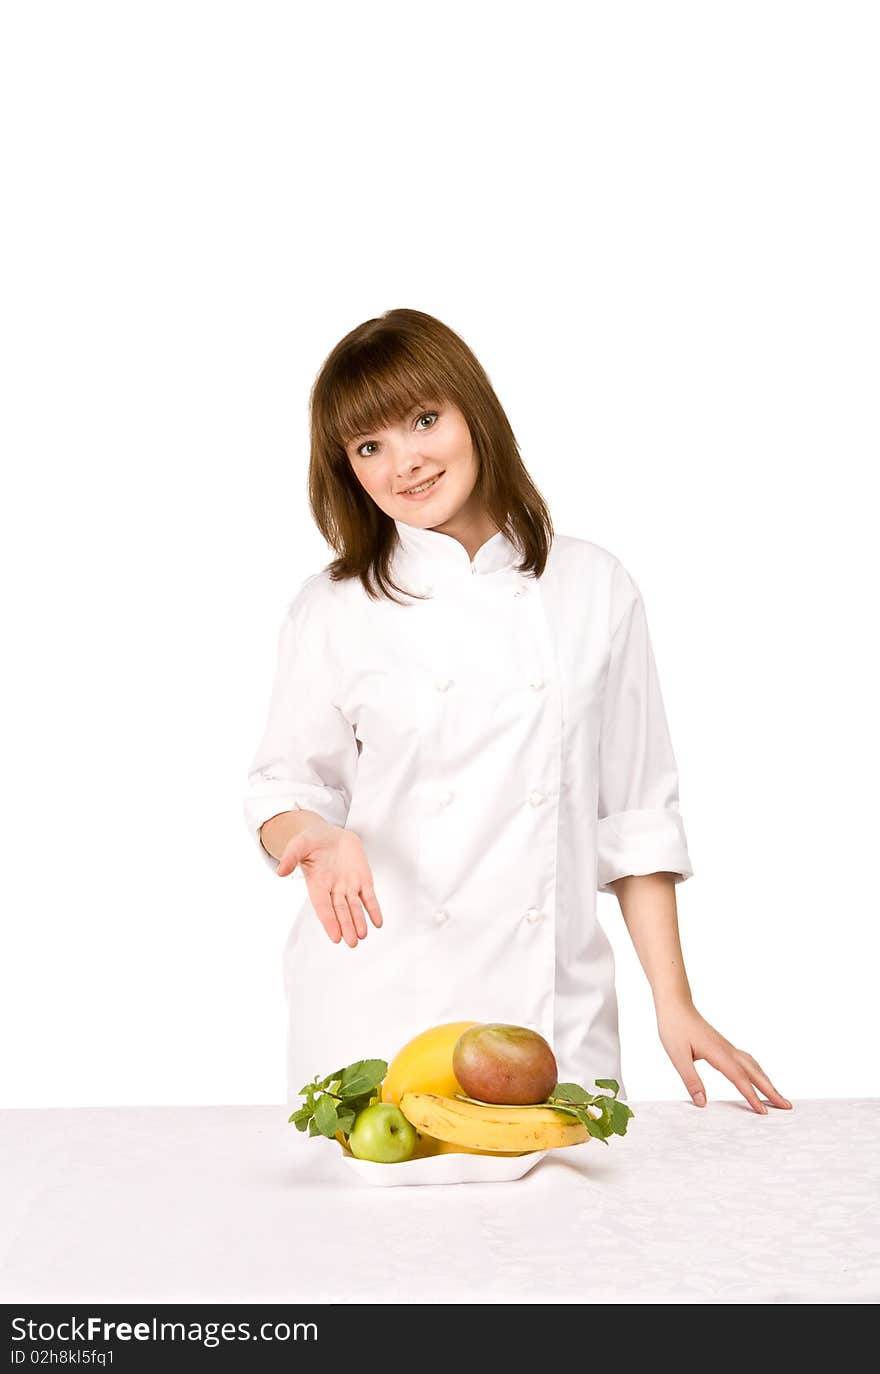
point(497, 1130)
point(429, 1145)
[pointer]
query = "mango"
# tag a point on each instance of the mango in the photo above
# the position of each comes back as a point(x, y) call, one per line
point(425, 1064)
point(508, 1065)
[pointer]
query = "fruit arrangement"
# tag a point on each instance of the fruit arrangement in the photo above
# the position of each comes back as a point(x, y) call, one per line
point(464, 1087)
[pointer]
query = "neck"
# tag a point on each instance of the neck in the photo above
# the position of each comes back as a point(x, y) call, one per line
point(470, 525)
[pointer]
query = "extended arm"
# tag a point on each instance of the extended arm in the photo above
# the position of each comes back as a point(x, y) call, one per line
point(649, 909)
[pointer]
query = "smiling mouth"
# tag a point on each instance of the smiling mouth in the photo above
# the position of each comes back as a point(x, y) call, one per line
point(423, 486)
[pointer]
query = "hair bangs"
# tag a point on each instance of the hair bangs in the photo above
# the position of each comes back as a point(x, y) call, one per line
point(376, 388)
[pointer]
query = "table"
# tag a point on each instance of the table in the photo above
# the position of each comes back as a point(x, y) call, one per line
point(231, 1204)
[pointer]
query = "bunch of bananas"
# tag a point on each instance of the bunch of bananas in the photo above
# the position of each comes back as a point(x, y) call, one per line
point(472, 1126)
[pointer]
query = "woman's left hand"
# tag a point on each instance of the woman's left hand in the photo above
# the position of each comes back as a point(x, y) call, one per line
point(686, 1036)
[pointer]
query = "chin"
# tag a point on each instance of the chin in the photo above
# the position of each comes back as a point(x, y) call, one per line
point(418, 515)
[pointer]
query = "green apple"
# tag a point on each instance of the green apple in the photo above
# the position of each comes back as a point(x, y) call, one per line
point(382, 1133)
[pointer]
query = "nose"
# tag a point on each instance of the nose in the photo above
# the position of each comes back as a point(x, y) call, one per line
point(405, 448)
point(409, 472)
point(408, 464)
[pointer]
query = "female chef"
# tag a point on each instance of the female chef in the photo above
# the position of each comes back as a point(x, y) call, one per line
point(465, 741)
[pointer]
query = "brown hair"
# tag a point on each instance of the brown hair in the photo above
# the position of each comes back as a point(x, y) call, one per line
point(372, 378)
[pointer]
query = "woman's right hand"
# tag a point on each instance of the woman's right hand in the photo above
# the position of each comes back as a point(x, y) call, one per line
point(338, 878)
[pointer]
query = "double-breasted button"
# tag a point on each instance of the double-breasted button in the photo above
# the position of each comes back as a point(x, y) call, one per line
point(533, 915)
point(440, 918)
point(446, 798)
point(443, 684)
point(535, 798)
point(536, 684)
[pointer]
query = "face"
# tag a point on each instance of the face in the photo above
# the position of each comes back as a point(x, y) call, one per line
point(429, 443)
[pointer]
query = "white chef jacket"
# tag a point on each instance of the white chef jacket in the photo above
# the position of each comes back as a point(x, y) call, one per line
point(502, 750)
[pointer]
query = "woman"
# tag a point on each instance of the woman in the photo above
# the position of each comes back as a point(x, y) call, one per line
point(465, 741)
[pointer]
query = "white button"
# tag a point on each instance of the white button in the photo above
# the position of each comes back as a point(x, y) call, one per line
point(443, 684)
point(536, 798)
point(533, 914)
point(520, 591)
point(536, 684)
point(440, 918)
point(428, 590)
point(446, 798)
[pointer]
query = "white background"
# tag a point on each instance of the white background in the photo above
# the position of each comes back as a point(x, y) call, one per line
point(657, 227)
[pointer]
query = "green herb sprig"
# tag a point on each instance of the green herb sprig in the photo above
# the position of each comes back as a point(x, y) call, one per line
point(332, 1103)
point(612, 1118)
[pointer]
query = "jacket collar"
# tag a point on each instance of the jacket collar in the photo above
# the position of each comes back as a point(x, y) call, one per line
point(433, 552)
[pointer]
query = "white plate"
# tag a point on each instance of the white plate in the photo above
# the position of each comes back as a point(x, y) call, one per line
point(449, 1168)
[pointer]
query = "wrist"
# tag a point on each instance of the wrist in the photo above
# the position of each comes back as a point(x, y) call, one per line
point(276, 833)
point(669, 1001)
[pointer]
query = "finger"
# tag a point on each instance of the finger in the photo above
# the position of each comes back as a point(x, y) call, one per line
point(368, 897)
point(357, 913)
point(760, 1079)
point(727, 1065)
point(691, 1079)
point(343, 915)
point(325, 913)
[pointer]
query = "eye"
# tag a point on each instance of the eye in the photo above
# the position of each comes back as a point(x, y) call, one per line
point(432, 415)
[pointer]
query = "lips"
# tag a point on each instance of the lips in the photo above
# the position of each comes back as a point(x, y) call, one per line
point(434, 479)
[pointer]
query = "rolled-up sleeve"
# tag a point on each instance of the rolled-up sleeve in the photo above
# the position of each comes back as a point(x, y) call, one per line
point(307, 757)
point(640, 829)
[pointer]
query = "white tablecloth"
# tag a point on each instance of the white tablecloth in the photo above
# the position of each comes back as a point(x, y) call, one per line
point(231, 1204)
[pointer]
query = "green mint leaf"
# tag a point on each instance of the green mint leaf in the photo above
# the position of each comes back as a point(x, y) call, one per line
point(569, 1108)
point(615, 1117)
point(583, 1114)
point(608, 1083)
point(309, 1090)
point(357, 1104)
point(581, 1111)
point(362, 1077)
point(327, 1082)
point(620, 1114)
point(345, 1119)
point(325, 1116)
point(300, 1118)
point(571, 1092)
point(313, 1127)
point(595, 1128)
